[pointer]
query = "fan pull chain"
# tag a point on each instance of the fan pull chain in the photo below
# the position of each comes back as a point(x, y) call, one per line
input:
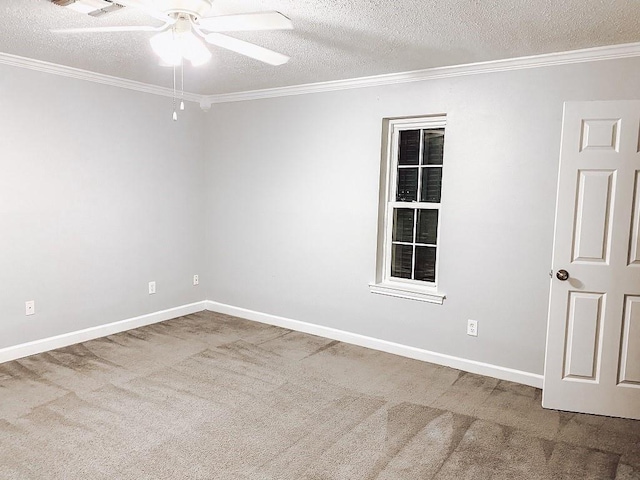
point(175, 113)
point(182, 84)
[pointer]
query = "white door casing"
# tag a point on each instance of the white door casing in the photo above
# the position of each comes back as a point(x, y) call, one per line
point(592, 360)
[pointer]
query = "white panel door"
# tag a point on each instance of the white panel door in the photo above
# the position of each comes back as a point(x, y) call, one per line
point(593, 338)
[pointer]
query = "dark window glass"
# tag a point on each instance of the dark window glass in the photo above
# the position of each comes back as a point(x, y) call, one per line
point(433, 147)
point(427, 226)
point(431, 185)
point(407, 190)
point(403, 224)
point(418, 179)
point(409, 147)
point(425, 268)
point(401, 261)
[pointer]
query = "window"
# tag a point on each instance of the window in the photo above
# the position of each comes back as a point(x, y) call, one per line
point(411, 189)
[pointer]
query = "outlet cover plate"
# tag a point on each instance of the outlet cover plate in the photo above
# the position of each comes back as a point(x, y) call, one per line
point(30, 307)
point(472, 328)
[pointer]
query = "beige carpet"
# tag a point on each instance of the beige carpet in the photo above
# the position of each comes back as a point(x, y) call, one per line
point(209, 396)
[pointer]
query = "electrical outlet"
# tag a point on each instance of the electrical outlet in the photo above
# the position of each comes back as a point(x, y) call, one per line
point(196, 280)
point(30, 307)
point(152, 288)
point(472, 328)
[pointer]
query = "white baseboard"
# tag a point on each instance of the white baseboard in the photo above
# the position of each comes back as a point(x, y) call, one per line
point(59, 341)
point(66, 339)
point(487, 369)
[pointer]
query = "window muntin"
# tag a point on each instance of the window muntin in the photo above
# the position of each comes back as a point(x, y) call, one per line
point(416, 159)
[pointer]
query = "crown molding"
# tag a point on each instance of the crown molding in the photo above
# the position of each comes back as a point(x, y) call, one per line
point(610, 52)
point(46, 67)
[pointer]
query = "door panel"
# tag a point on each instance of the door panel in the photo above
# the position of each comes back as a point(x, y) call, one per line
point(600, 134)
point(593, 339)
point(582, 350)
point(593, 215)
point(630, 355)
point(634, 245)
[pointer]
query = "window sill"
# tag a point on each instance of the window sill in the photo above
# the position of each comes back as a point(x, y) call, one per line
point(402, 291)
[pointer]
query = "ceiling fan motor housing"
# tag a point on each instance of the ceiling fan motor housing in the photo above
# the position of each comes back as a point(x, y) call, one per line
point(197, 8)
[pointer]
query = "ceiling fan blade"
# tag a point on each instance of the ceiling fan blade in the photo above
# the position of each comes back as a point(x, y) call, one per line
point(107, 29)
point(248, 49)
point(246, 22)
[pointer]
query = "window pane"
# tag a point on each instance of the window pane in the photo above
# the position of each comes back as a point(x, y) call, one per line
point(431, 185)
point(427, 226)
point(409, 147)
point(407, 185)
point(403, 225)
point(425, 264)
point(401, 260)
point(433, 148)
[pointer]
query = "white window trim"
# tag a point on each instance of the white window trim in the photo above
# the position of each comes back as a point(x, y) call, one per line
point(404, 291)
point(385, 284)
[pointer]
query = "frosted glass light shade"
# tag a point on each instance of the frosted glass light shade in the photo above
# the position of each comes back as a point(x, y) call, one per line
point(193, 49)
point(166, 47)
point(171, 47)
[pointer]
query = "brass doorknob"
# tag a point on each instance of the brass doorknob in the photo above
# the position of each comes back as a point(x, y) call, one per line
point(562, 275)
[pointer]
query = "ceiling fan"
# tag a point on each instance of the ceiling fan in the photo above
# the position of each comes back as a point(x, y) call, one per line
point(185, 21)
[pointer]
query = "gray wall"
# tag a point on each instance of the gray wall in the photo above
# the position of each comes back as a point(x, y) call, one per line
point(293, 192)
point(100, 193)
point(274, 204)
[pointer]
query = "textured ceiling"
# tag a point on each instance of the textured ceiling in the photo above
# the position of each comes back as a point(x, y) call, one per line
point(332, 40)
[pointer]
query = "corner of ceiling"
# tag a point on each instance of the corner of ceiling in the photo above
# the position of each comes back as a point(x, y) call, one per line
point(71, 72)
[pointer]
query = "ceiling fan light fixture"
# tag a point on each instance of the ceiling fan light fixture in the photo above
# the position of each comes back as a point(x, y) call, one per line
point(166, 47)
point(172, 46)
point(192, 48)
